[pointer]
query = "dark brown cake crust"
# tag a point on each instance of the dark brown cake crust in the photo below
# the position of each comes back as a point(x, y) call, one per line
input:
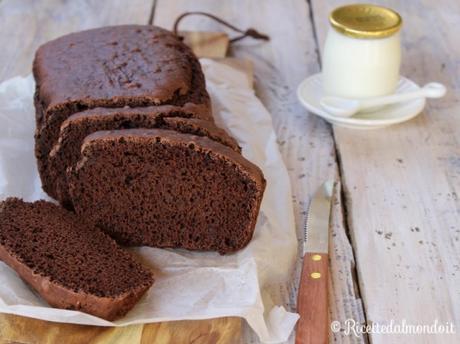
point(130, 65)
point(118, 64)
point(71, 264)
point(167, 189)
point(66, 152)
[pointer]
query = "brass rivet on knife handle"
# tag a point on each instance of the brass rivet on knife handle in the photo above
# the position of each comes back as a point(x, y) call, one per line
point(315, 275)
point(316, 257)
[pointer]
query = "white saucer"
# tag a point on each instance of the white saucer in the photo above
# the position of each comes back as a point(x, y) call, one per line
point(310, 92)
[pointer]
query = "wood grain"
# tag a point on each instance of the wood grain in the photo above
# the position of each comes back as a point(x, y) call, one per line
point(402, 184)
point(343, 282)
point(305, 141)
point(312, 301)
point(27, 23)
point(16, 329)
point(205, 43)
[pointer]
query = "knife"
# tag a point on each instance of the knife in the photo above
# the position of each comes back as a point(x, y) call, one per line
point(312, 300)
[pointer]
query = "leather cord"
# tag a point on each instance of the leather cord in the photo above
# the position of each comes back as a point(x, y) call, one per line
point(244, 33)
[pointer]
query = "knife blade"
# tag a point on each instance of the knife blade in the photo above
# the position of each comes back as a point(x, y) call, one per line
point(312, 300)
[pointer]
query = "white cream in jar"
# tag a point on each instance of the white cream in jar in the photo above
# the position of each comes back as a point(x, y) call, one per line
point(362, 53)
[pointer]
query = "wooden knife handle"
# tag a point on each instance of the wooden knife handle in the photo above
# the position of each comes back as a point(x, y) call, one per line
point(312, 301)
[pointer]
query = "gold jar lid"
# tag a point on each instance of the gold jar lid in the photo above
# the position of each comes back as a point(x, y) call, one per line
point(365, 21)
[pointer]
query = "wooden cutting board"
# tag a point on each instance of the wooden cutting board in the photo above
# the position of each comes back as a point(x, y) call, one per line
point(16, 329)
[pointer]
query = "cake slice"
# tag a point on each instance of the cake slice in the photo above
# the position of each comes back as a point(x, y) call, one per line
point(67, 150)
point(163, 188)
point(128, 65)
point(71, 264)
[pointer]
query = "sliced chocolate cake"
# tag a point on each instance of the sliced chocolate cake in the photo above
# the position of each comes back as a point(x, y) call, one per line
point(67, 150)
point(71, 264)
point(130, 65)
point(163, 188)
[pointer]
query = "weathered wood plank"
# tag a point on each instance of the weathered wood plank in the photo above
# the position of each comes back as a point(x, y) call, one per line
point(305, 141)
point(402, 184)
point(27, 23)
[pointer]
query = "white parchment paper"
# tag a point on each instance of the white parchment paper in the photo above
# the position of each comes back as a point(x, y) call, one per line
point(189, 285)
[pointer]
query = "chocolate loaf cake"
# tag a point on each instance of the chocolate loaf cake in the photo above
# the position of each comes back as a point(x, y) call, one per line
point(131, 65)
point(71, 264)
point(163, 188)
point(66, 152)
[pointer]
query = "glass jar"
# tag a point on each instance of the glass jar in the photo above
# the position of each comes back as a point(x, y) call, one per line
point(362, 53)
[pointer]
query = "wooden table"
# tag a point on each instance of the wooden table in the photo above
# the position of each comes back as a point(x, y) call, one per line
point(395, 244)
